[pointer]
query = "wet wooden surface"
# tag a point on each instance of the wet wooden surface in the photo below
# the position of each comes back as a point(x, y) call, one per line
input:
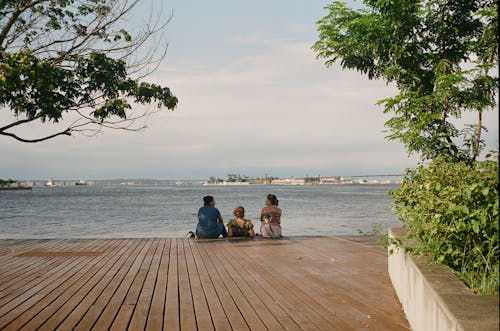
point(296, 283)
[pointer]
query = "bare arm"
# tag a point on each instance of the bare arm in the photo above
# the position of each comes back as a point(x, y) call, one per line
point(262, 214)
point(230, 231)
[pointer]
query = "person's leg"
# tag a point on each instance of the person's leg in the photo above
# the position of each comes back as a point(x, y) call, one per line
point(200, 234)
point(222, 230)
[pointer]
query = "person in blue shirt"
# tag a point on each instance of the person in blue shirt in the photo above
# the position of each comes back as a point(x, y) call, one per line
point(210, 222)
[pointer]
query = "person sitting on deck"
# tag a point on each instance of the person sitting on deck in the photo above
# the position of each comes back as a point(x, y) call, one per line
point(240, 227)
point(270, 218)
point(210, 222)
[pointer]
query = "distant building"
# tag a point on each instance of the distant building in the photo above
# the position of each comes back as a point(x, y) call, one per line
point(289, 181)
point(331, 180)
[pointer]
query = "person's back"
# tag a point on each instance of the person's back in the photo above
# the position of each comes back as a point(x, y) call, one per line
point(240, 227)
point(210, 220)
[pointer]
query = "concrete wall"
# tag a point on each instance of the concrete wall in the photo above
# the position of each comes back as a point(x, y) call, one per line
point(433, 298)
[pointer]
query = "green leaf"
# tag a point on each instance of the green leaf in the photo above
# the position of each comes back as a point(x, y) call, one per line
point(475, 226)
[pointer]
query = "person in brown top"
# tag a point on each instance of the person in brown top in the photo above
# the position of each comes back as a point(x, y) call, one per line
point(240, 227)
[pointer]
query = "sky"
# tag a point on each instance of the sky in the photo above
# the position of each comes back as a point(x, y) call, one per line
point(253, 100)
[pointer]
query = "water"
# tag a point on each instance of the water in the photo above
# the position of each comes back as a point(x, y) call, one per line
point(167, 210)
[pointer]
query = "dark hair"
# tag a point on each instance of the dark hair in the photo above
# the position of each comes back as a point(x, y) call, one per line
point(274, 200)
point(208, 199)
point(239, 212)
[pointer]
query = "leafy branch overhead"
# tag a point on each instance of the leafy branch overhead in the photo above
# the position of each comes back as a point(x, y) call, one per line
point(440, 55)
point(67, 60)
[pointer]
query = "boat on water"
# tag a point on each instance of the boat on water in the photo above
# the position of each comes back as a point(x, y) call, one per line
point(50, 183)
point(81, 182)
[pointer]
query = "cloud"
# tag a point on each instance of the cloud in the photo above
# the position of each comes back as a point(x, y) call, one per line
point(272, 109)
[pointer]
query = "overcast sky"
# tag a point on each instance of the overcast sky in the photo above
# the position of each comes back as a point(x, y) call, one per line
point(253, 100)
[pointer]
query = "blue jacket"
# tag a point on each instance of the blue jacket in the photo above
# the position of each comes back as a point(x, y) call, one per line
point(208, 223)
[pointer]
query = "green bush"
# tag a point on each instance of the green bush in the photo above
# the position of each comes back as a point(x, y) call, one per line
point(451, 209)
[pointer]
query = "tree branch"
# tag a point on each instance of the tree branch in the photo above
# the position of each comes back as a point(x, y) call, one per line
point(18, 123)
point(69, 43)
point(477, 144)
point(66, 132)
point(14, 17)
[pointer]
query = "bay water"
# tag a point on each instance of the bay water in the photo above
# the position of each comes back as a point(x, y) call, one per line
point(169, 210)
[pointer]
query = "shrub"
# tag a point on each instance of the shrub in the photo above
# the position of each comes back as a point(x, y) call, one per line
point(451, 209)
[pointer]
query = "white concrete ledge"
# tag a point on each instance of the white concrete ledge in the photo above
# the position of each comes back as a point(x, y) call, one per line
point(433, 298)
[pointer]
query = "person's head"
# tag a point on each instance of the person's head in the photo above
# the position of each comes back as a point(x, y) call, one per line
point(209, 201)
point(272, 200)
point(239, 212)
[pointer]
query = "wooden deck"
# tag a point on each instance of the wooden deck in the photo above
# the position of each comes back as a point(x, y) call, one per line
point(297, 283)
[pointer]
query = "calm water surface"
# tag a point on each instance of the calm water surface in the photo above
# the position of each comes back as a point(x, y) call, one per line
point(123, 211)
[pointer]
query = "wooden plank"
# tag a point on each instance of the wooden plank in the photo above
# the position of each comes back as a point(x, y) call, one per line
point(201, 309)
point(17, 266)
point(234, 316)
point(297, 304)
point(88, 294)
point(186, 306)
point(356, 313)
point(24, 273)
point(339, 303)
point(295, 299)
point(53, 301)
point(131, 300)
point(18, 304)
point(358, 283)
point(157, 308)
point(171, 320)
point(219, 319)
point(11, 248)
point(144, 302)
point(101, 299)
point(286, 249)
point(286, 264)
point(52, 315)
point(21, 269)
point(137, 284)
point(262, 303)
point(26, 296)
point(252, 318)
point(322, 249)
point(111, 307)
point(7, 245)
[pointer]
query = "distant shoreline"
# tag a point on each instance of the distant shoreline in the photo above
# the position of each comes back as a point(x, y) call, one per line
point(15, 188)
point(70, 183)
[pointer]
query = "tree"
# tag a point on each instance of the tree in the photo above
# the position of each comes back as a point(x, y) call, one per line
point(7, 182)
point(74, 62)
point(440, 55)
